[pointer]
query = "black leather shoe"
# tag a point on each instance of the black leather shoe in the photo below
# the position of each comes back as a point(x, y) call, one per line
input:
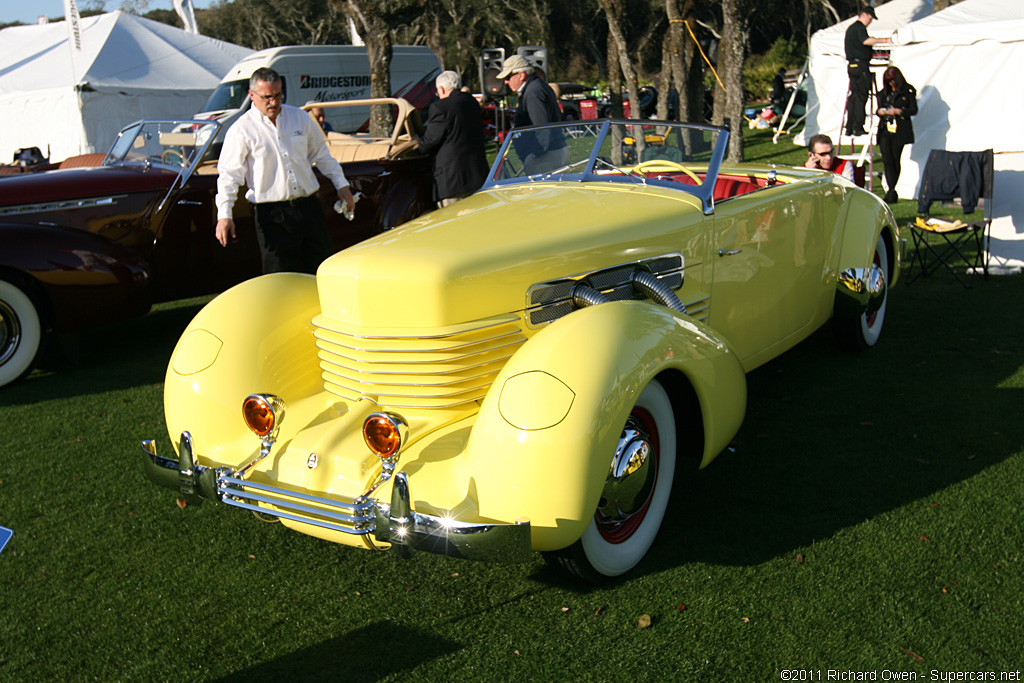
point(890, 197)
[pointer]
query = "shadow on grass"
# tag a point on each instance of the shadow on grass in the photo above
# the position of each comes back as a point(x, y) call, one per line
point(362, 656)
point(122, 355)
point(832, 439)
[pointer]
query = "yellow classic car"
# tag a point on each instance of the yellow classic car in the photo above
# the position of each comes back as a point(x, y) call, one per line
point(524, 370)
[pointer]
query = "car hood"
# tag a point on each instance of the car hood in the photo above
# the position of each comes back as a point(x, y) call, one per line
point(478, 258)
point(79, 183)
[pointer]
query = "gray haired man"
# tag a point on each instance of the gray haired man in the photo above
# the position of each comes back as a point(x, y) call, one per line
point(271, 150)
point(455, 137)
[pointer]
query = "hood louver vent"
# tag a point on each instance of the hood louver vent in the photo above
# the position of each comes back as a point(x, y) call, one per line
point(416, 371)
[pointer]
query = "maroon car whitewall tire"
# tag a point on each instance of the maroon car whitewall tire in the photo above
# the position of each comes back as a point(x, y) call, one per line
point(21, 333)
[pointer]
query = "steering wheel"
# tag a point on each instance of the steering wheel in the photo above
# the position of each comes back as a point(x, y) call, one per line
point(663, 165)
point(173, 157)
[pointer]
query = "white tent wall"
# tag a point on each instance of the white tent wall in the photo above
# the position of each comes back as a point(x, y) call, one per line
point(826, 66)
point(967, 63)
point(55, 128)
point(129, 68)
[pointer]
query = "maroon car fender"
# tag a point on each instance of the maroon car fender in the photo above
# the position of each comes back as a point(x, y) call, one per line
point(80, 280)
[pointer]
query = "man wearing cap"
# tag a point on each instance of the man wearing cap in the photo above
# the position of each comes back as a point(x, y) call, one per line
point(546, 150)
point(858, 55)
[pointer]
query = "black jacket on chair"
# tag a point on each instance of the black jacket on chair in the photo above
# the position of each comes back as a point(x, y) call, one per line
point(455, 136)
point(949, 175)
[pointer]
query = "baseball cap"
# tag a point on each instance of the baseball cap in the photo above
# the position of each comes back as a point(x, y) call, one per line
point(869, 10)
point(511, 65)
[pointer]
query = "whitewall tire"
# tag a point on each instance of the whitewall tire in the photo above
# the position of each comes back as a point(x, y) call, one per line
point(21, 333)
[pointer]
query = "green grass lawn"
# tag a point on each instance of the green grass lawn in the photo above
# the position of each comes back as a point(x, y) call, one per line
point(866, 518)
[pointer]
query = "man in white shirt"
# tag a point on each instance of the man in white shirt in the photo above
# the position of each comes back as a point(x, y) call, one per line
point(271, 150)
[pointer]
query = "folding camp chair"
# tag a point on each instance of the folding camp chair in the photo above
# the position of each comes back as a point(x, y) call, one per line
point(966, 176)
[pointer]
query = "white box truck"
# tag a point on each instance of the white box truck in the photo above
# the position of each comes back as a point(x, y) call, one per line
point(326, 73)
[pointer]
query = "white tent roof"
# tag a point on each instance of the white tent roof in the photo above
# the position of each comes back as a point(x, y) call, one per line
point(891, 16)
point(968, 22)
point(128, 68)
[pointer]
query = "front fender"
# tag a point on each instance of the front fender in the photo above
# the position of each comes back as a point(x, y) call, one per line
point(547, 430)
point(86, 280)
point(255, 337)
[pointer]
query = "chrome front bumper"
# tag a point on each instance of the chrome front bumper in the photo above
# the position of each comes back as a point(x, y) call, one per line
point(396, 524)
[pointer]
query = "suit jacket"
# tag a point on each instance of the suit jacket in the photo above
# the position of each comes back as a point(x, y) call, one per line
point(455, 136)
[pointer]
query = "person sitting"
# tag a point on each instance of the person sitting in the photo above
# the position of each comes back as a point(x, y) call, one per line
point(821, 154)
point(318, 114)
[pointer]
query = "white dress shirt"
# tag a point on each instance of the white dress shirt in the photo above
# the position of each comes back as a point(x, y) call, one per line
point(273, 161)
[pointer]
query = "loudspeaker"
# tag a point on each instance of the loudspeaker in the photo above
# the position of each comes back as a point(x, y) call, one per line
point(537, 56)
point(490, 62)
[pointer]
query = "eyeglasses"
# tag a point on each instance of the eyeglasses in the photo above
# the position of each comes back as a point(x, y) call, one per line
point(826, 154)
point(272, 97)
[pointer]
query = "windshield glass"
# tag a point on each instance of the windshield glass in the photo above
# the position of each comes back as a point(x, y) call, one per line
point(613, 150)
point(228, 96)
point(174, 145)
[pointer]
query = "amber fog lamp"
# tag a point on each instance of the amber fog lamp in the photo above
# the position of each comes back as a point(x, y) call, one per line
point(263, 413)
point(384, 434)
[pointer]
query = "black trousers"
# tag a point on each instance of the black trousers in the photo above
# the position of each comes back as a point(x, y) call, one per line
point(891, 151)
point(861, 82)
point(293, 235)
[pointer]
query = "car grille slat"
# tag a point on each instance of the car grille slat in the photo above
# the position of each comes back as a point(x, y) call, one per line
point(438, 369)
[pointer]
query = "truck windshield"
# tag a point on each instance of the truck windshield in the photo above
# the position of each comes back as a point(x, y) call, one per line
point(228, 96)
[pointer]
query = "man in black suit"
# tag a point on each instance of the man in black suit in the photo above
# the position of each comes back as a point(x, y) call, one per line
point(455, 137)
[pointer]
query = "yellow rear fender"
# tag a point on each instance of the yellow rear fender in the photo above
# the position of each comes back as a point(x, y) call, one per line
point(867, 218)
point(543, 442)
point(256, 337)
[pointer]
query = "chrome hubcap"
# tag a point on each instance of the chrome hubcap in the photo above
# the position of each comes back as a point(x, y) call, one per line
point(10, 332)
point(631, 479)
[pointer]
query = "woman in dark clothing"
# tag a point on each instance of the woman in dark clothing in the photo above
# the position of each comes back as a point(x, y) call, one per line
point(897, 102)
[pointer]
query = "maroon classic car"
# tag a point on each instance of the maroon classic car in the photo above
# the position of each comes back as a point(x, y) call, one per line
point(87, 246)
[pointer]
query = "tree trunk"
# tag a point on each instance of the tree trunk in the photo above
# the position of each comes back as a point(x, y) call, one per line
point(613, 13)
point(731, 51)
point(376, 34)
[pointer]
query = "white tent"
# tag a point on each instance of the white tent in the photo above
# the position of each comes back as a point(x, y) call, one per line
point(966, 63)
point(129, 68)
point(826, 65)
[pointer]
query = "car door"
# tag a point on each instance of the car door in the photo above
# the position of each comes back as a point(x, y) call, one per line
point(187, 258)
point(768, 257)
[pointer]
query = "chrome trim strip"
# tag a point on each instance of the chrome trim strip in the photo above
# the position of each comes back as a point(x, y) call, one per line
point(62, 205)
